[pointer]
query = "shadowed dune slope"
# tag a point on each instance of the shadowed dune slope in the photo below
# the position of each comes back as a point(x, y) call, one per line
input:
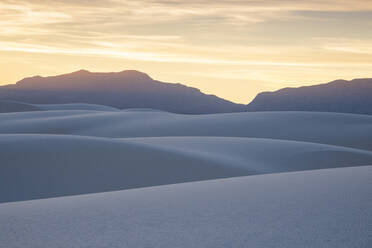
point(321, 208)
point(41, 166)
point(14, 106)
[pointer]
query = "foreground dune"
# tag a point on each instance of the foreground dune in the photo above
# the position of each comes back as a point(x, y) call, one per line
point(41, 166)
point(321, 208)
point(327, 128)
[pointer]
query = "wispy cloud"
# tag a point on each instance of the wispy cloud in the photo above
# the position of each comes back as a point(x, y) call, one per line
point(164, 57)
point(351, 46)
point(148, 19)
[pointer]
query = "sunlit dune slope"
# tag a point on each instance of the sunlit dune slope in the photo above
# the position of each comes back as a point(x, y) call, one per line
point(321, 208)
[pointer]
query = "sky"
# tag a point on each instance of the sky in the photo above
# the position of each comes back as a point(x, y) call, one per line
point(230, 48)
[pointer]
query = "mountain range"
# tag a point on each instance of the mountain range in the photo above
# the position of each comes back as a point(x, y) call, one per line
point(134, 89)
point(126, 89)
point(342, 96)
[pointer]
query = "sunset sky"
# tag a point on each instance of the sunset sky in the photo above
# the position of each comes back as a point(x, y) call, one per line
point(231, 48)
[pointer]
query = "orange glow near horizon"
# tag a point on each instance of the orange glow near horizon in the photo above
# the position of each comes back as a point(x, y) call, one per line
point(233, 49)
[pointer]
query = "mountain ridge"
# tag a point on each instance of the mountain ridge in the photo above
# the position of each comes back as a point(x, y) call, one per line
point(124, 89)
point(343, 96)
point(135, 89)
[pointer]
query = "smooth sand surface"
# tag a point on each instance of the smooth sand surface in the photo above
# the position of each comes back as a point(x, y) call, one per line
point(319, 208)
point(327, 128)
point(252, 179)
point(41, 166)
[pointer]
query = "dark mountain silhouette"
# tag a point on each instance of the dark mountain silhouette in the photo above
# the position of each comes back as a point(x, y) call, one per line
point(126, 89)
point(134, 89)
point(343, 96)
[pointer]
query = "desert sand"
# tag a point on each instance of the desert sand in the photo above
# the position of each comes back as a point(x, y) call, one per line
point(143, 177)
point(318, 208)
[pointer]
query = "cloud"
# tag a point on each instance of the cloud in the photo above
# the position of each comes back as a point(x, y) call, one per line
point(83, 18)
point(167, 57)
point(269, 40)
point(350, 46)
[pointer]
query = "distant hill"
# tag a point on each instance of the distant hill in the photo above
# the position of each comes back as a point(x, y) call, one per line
point(134, 89)
point(343, 96)
point(126, 89)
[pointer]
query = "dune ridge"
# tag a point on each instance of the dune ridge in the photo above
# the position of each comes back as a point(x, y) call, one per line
point(347, 130)
point(58, 165)
point(91, 176)
point(16, 106)
point(59, 152)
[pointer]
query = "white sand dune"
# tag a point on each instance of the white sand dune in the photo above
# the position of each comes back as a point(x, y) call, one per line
point(48, 151)
point(41, 166)
point(327, 128)
point(75, 106)
point(258, 155)
point(321, 208)
point(15, 106)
